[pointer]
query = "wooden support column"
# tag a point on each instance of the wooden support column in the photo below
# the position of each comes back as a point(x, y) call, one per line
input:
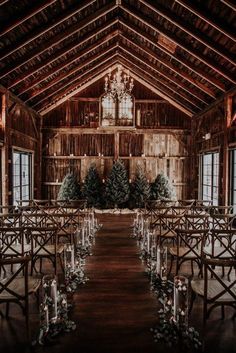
point(5, 151)
point(225, 173)
point(117, 145)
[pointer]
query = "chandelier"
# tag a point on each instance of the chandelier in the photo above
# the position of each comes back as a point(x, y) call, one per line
point(119, 85)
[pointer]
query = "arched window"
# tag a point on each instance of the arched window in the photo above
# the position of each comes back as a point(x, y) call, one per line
point(117, 112)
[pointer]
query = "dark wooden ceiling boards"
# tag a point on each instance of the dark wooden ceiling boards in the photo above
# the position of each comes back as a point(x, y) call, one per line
point(184, 50)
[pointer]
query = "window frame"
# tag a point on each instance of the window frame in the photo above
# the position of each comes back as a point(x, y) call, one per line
point(30, 185)
point(212, 183)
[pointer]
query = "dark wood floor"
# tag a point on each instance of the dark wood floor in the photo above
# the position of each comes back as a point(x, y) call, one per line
point(115, 310)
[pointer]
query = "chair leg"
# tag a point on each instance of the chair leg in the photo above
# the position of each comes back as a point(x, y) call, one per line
point(192, 298)
point(222, 312)
point(171, 265)
point(7, 309)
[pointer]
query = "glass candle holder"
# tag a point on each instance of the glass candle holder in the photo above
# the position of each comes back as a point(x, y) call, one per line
point(181, 300)
point(50, 296)
point(69, 257)
point(161, 263)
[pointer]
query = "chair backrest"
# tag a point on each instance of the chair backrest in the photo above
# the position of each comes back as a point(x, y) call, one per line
point(196, 222)
point(13, 242)
point(189, 202)
point(220, 244)
point(222, 221)
point(10, 220)
point(219, 289)
point(7, 289)
point(41, 237)
point(192, 240)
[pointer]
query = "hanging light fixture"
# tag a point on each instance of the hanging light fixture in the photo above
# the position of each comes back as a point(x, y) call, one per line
point(119, 85)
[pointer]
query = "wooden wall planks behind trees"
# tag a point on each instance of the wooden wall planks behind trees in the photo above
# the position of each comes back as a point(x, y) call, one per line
point(72, 140)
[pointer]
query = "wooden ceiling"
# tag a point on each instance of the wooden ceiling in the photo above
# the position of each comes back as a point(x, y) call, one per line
point(184, 50)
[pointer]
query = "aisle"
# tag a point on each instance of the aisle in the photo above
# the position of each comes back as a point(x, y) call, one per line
point(115, 308)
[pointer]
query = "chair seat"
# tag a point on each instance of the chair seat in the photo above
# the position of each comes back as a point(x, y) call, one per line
point(219, 252)
point(17, 249)
point(184, 252)
point(67, 231)
point(18, 287)
point(214, 288)
point(48, 250)
point(165, 233)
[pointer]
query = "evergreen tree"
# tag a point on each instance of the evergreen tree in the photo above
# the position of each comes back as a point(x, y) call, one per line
point(162, 188)
point(117, 185)
point(140, 189)
point(70, 188)
point(92, 189)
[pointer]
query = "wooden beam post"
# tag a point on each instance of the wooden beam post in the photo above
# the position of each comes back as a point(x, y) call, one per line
point(5, 151)
point(225, 159)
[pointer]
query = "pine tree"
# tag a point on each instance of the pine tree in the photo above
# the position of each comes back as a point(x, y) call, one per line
point(140, 189)
point(117, 185)
point(70, 188)
point(92, 189)
point(162, 188)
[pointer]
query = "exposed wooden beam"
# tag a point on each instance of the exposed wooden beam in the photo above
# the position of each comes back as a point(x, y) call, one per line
point(151, 84)
point(96, 77)
point(42, 30)
point(40, 6)
point(67, 74)
point(170, 77)
point(208, 18)
point(171, 67)
point(75, 58)
point(76, 82)
point(229, 4)
point(58, 54)
point(59, 38)
point(135, 56)
point(190, 30)
point(139, 32)
point(2, 2)
point(172, 37)
point(217, 101)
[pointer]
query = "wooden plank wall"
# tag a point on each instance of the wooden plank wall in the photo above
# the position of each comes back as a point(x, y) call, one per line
point(72, 140)
point(21, 131)
point(215, 130)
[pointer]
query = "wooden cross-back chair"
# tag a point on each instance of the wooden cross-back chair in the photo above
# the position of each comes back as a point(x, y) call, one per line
point(155, 214)
point(196, 221)
point(188, 247)
point(35, 219)
point(222, 221)
point(221, 244)
point(17, 286)
point(165, 226)
point(215, 290)
point(180, 210)
point(10, 220)
point(8, 209)
point(187, 202)
point(44, 245)
point(13, 242)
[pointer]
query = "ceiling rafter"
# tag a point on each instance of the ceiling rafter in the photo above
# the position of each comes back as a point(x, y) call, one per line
point(156, 82)
point(101, 73)
point(153, 67)
point(42, 30)
point(73, 80)
point(182, 61)
point(192, 31)
point(27, 15)
point(64, 51)
point(229, 4)
point(171, 68)
point(147, 82)
point(60, 78)
point(193, 52)
point(213, 22)
point(84, 84)
point(59, 38)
